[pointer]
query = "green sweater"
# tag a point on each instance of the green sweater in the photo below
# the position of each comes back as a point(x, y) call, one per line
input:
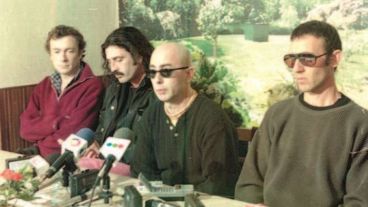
point(307, 157)
point(203, 138)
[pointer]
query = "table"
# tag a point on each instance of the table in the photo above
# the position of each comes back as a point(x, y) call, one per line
point(55, 194)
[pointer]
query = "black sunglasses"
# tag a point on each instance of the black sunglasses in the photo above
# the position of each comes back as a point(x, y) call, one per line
point(306, 59)
point(166, 73)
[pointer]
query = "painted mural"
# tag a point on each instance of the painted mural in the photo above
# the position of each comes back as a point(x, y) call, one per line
point(238, 45)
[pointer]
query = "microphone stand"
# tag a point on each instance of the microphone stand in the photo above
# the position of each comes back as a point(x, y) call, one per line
point(68, 170)
point(106, 194)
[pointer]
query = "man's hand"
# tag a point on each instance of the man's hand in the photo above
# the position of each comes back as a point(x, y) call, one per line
point(92, 151)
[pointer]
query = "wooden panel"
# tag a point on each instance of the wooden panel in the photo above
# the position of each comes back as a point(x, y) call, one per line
point(12, 103)
point(244, 137)
point(246, 134)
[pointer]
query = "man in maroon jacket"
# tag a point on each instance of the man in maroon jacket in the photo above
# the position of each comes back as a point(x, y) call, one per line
point(65, 101)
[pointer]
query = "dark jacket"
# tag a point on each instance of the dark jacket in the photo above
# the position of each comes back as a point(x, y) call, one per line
point(201, 149)
point(122, 107)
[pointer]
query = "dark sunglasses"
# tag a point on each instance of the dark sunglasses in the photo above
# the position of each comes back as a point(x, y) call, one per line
point(306, 59)
point(166, 73)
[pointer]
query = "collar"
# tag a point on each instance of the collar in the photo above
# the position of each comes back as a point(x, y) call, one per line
point(56, 79)
point(339, 102)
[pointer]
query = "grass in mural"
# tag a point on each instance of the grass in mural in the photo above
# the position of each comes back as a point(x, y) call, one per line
point(258, 67)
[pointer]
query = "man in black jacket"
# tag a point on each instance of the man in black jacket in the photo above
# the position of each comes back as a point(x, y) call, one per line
point(126, 53)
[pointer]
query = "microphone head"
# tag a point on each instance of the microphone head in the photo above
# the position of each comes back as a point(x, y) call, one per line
point(117, 145)
point(77, 143)
point(125, 133)
point(86, 134)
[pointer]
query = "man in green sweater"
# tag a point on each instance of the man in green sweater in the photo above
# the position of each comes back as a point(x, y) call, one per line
point(310, 150)
point(185, 138)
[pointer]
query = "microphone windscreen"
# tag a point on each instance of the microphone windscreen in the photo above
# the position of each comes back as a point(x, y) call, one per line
point(87, 134)
point(125, 133)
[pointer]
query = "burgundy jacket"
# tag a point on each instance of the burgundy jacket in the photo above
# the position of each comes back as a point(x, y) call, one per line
point(48, 117)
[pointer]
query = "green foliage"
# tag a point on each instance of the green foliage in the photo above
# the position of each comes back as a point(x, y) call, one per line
point(215, 81)
point(356, 43)
point(252, 11)
point(211, 19)
point(289, 16)
point(205, 46)
point(137, 14)
point(187, 9)
point(276, 29)
point(280, 92)
point(272, 9)
point(303, 6)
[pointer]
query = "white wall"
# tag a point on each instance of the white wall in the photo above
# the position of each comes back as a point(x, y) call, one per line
point(24, 25)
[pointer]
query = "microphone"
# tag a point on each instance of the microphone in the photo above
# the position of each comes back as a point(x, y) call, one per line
point(114, 148)
point(71, 149)
point(42, 164)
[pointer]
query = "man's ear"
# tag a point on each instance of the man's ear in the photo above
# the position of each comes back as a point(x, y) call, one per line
point(190, 72)
point(82, 54)
point(335, 58)
point(138, 59)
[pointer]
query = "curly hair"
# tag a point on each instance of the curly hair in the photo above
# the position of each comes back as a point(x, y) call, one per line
point(133, 41)
point(63, 31)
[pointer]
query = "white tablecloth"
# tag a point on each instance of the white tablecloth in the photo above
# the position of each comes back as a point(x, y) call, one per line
point(55, 194)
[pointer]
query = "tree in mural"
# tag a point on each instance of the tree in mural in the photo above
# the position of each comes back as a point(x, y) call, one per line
point(188, 10)
point(213, 16)
point(137, 14)
point(214, 80)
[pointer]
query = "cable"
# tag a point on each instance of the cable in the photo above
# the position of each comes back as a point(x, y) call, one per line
point(93, 191)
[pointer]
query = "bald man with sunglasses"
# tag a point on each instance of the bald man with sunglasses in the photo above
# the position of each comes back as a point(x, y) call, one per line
point(185, 138)
point(310, 150)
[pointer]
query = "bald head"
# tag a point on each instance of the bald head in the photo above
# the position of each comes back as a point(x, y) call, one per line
point(172, 61)
point(173, 53)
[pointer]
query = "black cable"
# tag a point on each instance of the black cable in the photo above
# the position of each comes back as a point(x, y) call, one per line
point(93, 191)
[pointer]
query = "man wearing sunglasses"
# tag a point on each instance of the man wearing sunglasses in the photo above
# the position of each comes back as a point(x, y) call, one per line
point(310, 150)
point(126, 53)
point(185, 138)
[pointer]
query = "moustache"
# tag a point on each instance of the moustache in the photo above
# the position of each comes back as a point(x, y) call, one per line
point(115, 73)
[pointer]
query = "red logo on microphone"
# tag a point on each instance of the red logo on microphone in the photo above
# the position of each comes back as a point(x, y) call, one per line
point(75, 142)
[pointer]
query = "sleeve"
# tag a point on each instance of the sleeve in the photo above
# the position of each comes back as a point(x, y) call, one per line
point(103, 117)
point(357, 177)
point(219, 157)
point(82, 116)
point(144, 159)
point(35, 126)
point(249, 186)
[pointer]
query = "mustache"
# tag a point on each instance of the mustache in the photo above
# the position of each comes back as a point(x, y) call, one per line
point(115, 73)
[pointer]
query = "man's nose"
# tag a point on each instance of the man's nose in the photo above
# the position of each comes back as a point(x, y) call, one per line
point(298, 66)
point(113, 67)
point(158, 78)
point(64, 56)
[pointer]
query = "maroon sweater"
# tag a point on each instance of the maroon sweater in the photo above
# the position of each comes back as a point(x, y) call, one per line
point(48, 117)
